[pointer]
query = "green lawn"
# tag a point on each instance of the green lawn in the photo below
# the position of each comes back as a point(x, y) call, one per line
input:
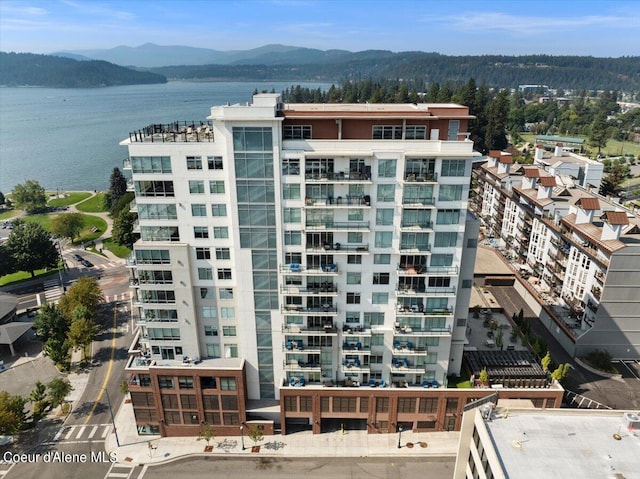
point(613, 148)
point(91, 222)
point(23, 276)
point(95, 204)
point(43, 220)
point(118, 250)
point(462, 382)
point(69, 199)
point(7, 214)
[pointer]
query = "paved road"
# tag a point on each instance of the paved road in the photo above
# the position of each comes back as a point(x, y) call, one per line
point(618, 394)
point(310, 468)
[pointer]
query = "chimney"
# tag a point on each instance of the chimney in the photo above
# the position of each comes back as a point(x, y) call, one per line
point(504, 164)
point(587, 207)
point(613, 223)
point(559, 151)
point(545, 187)
point(494, 156)
point(530, 180)
point(538, 153)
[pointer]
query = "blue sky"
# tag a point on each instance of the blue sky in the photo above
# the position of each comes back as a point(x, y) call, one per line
point(559, 27)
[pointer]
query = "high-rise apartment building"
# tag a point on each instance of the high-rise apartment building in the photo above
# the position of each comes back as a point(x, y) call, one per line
point(299, 248)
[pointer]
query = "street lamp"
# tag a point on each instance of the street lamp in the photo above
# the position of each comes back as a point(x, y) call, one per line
point(242, 436)
point(399, 436)
point(115, 431)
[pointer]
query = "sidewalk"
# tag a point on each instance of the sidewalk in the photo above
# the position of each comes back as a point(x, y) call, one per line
point(134, 449)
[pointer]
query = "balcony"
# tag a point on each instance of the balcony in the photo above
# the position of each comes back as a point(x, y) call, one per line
point(596, 292)
point(298, 269)
point(414, 248)
point(409, 289)
point(295, 309)
point(403, 365)
point(133, 206)
point(338, 248)
point(426, 177)
point(176, 132)
point(340, 201)
point(130, 261)
point(423, 225)
point(317, 289)
point(418, 309)
point(419, 201)
point(300, 365)
point(339, 177)
point(337, 225)
point(126, 164)
point(407, 348)
point(298, 347)
point(355, 347)
point(328, 328)
point(600, 276)
point(354, 365)
point(355, 331)
point(130, 186)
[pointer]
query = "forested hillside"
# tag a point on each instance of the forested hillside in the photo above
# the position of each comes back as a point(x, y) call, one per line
point(568, 72)
point(27, 69)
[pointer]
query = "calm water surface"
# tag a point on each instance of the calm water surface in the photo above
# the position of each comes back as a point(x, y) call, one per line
point(68, 139)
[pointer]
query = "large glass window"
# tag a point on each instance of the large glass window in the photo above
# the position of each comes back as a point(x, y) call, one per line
point(152, 256)
point(387, 168)
point(387, 132)
point(157, 212)
point(216, 187)
point(415, 132)
point(384, 216)
point(448, 217)
point(220, 232)
point(255, 191)
point(219, 209)
point(292, 215)
point(292, 238)
point(194, 163)
point(151, 164)
point(453, 167)
point(450, 193)
point(446, 239)
point(252, 139)
point(290, 191)
point(383, 239)
point(296, 132)
point(154, 188)
point(198, 210)
point(419, 241)
point(386, 193)
point(454, 128)
point(159, 233)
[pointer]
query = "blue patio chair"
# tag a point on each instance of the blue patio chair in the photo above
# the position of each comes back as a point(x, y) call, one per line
point(434, 384)
point(405, 363)
point(292, 381)
point(409, 345)
point(383, 383)
point(294, 267)
point(426, 383)
point(300, 345)
point(301, 363)
point(289, 345)
point(396, 345)
point(356, 362)
point(372, 383)
point(301, 381)
point(358, 345)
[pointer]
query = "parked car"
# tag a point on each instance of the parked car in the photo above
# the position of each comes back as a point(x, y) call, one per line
point(87, 263)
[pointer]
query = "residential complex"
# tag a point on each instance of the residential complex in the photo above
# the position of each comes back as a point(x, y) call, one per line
point(578, 249)
point(302, 265)
point(513, 440)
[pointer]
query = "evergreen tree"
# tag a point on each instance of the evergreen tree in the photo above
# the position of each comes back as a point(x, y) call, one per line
point(117, 186)
point(122, 232)
point(495, 137)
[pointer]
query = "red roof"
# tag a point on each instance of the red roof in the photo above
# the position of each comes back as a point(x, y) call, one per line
point(616, 218)
point(588, 204)
point(548, 181)
point(495, 153)
point(532, 172)
point(506, 159)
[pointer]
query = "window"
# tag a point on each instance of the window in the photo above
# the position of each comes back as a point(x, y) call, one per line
point(380, 298)
point(353, 237)
point(227, 313)
point(453, 167)
point(291, 167)
point(382, 259)
point(164, 334)
point(152, 256)
point(200, 232)
point(210, 331)
point(448, 217)
point(216, 187)
point(220, 232)
point(206, 293)
point(450, 193)
point(387, 132)
point(187, 383)
point(219, 210)
point(387, 168)
point(223, 253)
point(415, 241)
point(415, 132)
point(441, 259)
point(159, 233)
point(151, 164)
point(290, 191)
point(296, 132)
point(228, 330)
point(374, 319)
point(292, 215)
point(383, 239)
point(214, 162)
point(382, 404)
point(224, 273)
point(384, 216)
point(205, 273)
point(354, 278)
point(386, 193)
point(472, 243)
point(154, 188)
point(157, 296)
point(406, 405)
point(225, 293)
point(231, 351)
point(157, 212)
point(467, 283)
point(352, 317)
point(355, 214)
point(196, 186)
point(194, 163)
point(446, 239)
point(168, 315)
point(353, 298)
point(292, 237)
point(228, 384)
point(198, 210)
point(203, 253)
point(344, 404)
point(454, 128)
point(155, 277)
point(354, 259)
point(165, 382)
point(428, 405)
point(380, 278)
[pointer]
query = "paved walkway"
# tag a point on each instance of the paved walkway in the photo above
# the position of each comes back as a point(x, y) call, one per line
point(135, 449)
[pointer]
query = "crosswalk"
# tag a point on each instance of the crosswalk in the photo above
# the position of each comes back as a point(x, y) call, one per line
point(122, 471)
point(81, 433)
point(117, 297)
point(52, 290)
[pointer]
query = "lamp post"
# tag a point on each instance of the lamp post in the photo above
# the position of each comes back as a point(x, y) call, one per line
point(115, 431)
point(242, 436)
point(399, 436)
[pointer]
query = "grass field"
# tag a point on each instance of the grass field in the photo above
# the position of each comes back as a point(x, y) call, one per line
point(24, 276)
point(43, 220)
point(91, 222)
point(118, 250)
point(95, 204)
point(69, 199)
point(613, 148)
point(8, 214)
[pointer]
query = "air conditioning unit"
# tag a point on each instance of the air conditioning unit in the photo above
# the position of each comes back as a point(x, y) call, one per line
point(631, 421)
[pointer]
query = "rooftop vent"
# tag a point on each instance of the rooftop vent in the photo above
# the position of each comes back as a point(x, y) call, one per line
point(631, 421)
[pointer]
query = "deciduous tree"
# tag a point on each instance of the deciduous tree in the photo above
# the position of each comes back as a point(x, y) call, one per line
point(12, 414)
point(84, 292)
point(122, 232)
point(58, 390)
point(30, 196)
point(31, 248)
point(67, 225)
point(83, 330)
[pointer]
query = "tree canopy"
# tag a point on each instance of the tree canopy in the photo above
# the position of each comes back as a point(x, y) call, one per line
point(31, 248)
point(29, 196)
point(67, 225)
point(85, 293)
point(117, 186)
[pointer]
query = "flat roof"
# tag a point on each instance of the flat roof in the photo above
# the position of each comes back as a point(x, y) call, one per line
point(563, 443)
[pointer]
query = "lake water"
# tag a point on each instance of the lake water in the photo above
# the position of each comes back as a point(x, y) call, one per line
point(67, 139)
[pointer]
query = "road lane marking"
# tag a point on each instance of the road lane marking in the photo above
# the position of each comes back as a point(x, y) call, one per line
point(106, 431)
point(58, 434)
point(68, 434)
point(93, 432)
point(80, 432)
